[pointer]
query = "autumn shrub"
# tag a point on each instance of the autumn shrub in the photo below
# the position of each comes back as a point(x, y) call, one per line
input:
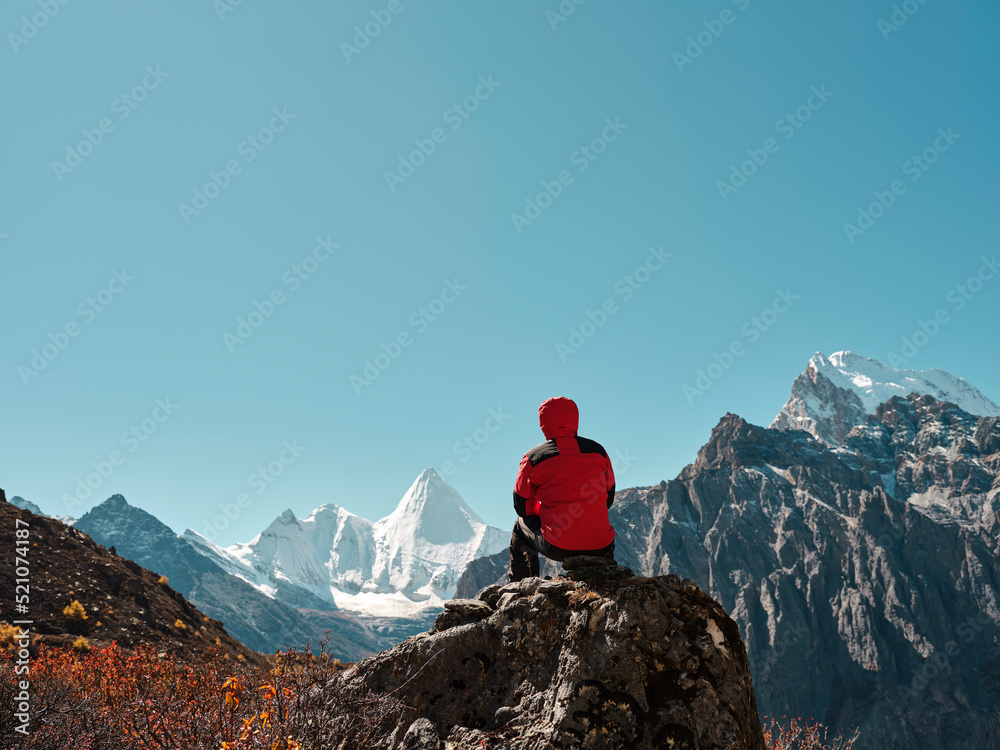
point(76, 618)
point(75, 611)
point(110, 698)
point(798, 734)
point(81, 644)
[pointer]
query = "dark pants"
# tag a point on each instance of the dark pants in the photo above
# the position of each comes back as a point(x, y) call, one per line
point(527, 542)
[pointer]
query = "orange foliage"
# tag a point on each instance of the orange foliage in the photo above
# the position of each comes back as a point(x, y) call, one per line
point(110, 697)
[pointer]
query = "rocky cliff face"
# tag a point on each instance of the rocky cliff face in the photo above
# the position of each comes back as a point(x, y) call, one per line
point(865, 579)
point(597, 660)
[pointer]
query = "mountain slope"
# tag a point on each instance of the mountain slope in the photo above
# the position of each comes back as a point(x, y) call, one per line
point(833, 395)
point(20, 502)
point(123, 602)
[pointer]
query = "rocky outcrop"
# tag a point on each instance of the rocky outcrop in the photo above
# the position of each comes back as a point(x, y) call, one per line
point(482, 572)
point(596, 660)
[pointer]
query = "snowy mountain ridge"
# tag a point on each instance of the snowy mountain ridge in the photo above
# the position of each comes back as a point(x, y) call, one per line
point(403, 564)
point(839, 392)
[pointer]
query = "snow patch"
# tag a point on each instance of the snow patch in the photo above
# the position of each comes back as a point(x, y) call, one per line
point(717, 637)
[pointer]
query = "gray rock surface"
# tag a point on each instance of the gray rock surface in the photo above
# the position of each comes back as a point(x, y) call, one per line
point(608, 664)
point(865, 579)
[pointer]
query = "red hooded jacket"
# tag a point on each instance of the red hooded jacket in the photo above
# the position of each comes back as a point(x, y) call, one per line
point(567, 481)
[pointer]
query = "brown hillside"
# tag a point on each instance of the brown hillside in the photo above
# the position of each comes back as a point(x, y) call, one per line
point(123, 602)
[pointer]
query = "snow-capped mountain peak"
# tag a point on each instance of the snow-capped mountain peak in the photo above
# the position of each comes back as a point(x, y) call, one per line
point(403, 563)
point(433, 511)
point(838, 392)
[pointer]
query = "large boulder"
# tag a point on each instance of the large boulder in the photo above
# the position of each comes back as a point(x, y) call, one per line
point(597, 660)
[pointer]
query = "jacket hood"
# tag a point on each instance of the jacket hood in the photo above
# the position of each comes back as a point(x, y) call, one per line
point(558, 417)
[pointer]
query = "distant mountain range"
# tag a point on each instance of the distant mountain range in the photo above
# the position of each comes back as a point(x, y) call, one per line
point(371, 584)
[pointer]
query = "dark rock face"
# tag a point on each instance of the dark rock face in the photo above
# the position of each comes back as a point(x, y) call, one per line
point(481, 572)
point(865, 579)
point(606, 663)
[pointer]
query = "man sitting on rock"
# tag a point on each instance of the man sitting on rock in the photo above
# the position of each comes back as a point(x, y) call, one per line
point(564, 489)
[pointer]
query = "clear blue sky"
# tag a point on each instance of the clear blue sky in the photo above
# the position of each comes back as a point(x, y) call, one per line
point(308, 129)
